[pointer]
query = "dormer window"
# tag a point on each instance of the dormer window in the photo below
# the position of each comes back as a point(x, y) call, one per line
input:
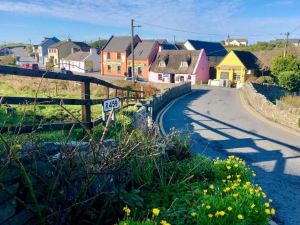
point(184, 64)
point(162, 63)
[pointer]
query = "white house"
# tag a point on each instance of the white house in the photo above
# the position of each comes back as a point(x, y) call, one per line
point(82, 61)
point(236, 42)
point(43, 49)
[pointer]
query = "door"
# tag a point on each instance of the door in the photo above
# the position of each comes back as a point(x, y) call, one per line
point(172, 78)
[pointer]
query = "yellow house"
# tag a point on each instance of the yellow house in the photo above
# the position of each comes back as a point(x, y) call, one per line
point(237, 66)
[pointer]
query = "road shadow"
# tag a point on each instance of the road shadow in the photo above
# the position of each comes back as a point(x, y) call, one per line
point(268, 157)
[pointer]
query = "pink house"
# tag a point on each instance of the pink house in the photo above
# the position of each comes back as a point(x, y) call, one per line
point(175, 66)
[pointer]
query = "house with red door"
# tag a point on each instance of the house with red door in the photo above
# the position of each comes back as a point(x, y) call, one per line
point(114, 55)
point(144, 55)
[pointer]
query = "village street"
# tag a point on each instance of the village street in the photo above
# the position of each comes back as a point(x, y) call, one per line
point(220, 125)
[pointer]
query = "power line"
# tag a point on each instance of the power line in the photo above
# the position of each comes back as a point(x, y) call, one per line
point(294, 30)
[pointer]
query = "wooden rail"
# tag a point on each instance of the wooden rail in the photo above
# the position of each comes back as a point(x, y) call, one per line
point(86, 102)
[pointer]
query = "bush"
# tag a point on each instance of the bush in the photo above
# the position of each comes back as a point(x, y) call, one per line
point(289, 80)
point(264, 79)
point(281, 64)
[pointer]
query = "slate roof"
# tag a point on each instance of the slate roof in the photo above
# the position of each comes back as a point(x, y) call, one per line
point(46, 39)
point(143, 49)
point(118, 44)
point(168, 46)
point(77, 43)
point(211, 48)
point(247, 58)
point(77, 56)
point(173, 61)
point(65, 47)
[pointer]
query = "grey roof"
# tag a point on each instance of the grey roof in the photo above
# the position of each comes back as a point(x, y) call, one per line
point(77, 56)
point(211, 48)
point(65, 47)
point(46, 39)
point(173, 59)
point(169, 46)
point(143, 49)
point(247, 58)
point(118, 43)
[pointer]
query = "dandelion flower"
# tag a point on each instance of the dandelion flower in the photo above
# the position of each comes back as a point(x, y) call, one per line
point(221, 213)
point(193, 214)
point(229, 208)
point(240, 217)
point(273, 211)
point(252, 206)
point(127, 210)
point(208, 206)
point(267, 204)
point(210, 215)
point(211, 186)
point(268, 211)
point(155, 211)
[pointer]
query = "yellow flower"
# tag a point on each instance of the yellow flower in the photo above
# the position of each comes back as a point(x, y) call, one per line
point(205, 191)
point(252, 206)
point(240, 217)
point(235, 195)
point(217, 213)
point(229, 208)
point(270, 200)
point(127, 210)
point(223, 181)
point(253, 174)
point(236, 165)
point(210, 215)
point(228, 167)
point(263, 195)
point(238, 176)
point(228, 177)
point(208, 206)
point(155, 211)
point(267, 204)
point(273, 211)
point(211, 186)
point(221, 213)
point(193, 214)
point(268, 211)
point(164, 222)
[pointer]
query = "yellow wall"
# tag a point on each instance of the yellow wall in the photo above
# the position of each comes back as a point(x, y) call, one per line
point(55, 56)
point(231, 64)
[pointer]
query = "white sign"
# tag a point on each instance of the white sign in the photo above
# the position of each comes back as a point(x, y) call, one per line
point(111, 104)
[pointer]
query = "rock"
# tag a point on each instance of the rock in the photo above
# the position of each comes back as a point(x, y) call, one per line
point(4, 196)
point(7, 210)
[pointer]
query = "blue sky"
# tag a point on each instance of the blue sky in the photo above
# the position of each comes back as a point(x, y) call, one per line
point(24, 20)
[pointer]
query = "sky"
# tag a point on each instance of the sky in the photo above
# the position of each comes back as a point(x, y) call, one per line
point(209, 20)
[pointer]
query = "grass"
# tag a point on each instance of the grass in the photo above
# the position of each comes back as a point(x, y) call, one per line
point(7, 60)
point(292, 100)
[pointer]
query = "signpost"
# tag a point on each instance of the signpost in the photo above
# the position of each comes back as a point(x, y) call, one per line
point(110, 105)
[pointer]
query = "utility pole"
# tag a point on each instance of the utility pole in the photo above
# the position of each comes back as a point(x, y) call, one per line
point(132, 48)
point(174, 39)
point(286, 43)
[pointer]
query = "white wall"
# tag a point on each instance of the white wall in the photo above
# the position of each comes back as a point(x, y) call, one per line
point(153, 77)
point(188, 46)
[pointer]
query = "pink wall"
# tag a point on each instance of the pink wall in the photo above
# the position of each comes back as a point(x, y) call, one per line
point(202, 68)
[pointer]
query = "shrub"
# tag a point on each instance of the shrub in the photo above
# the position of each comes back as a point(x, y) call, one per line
point(282, 64)
point(264, 79)
point(289, 80)
point(291, 100)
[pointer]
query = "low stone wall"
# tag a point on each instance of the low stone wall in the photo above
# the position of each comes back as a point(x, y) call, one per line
point(271, 91)
point(262, 105)
point(140, 119)
point(159, 101)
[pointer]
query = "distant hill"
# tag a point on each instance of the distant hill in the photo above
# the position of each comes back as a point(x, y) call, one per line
point(98, 43)
point(13, 45)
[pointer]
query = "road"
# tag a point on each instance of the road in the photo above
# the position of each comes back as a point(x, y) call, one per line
point(220, 125)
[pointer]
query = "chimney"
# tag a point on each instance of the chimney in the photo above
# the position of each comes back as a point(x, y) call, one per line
point(73, 50)
point(69, 40)
point(93, 51)
point(159, 48)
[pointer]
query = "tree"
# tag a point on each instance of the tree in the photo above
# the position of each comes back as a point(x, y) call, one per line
point(98, 43)
point(282, 64)
point(289, 80)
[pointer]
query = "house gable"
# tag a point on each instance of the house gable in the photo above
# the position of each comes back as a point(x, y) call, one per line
point(231, 59)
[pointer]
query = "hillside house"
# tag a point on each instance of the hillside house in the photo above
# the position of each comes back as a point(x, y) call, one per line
point(237, 66)
point(62, 49)
point(175, 66)
point(114, 55)
point(43, 49)
point(81, 61)
point(144, 54)
point(236, 42)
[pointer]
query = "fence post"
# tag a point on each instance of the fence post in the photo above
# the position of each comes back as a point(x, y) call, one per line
point(107, 93)
point(142, 93)
point(122, 100)
point(116, 93)
point(127, 99)
point(86, 109)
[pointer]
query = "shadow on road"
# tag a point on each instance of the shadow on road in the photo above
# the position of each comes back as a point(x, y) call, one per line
point(276, 162)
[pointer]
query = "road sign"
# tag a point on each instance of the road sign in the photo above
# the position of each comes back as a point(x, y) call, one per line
point(111, 104)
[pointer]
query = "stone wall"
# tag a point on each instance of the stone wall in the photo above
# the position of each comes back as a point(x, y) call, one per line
point(140, 119)
point(270, 91)
point(262, 105)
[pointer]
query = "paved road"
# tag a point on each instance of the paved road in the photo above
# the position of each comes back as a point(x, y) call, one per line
point(219, 125)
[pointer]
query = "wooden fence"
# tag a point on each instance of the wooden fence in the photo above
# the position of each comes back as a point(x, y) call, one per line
point(86, 102)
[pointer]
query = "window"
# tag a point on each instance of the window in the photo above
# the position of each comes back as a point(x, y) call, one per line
point(160, 77)
point(118, 55)
point(224, 75)
point(140, 71)
point(184, 64)
point(181, 79)
point(236, 76)
point(119, 69)
point(109, 68)
point(108, 55)
point(189, 77)
point(162, 63)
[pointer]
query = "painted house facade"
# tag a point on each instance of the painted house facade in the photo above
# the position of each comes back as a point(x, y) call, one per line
point(43, 49)
point(81, 61)
point(237, 66)
point(144, 54)
point(62, 49)
point(236, 42)
point(114, 55)
point(175, 66)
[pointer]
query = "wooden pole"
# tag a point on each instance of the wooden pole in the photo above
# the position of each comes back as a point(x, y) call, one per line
point(86, 109)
